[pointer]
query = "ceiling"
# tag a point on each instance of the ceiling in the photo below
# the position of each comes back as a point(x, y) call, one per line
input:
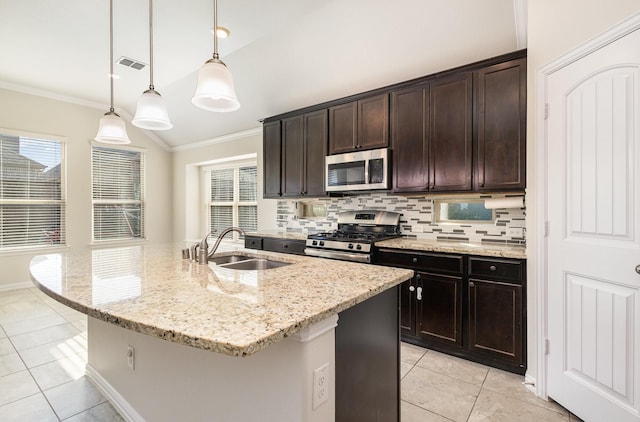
point(284, 54)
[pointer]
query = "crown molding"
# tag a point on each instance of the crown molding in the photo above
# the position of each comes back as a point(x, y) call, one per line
point(220, 139)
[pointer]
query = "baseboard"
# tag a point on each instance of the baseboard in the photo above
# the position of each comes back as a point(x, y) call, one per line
point(530, 383)
point(16, 286)
point(123, 407)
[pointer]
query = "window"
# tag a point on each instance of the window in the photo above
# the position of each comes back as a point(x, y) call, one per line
point(462, 211)
point(118, 193)
point(32, 194)
point(232, 197)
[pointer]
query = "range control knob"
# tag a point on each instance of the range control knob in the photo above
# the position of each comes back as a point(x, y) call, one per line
point(314, 243)
point(350, 246)
point(322, 243)
point(359, 246)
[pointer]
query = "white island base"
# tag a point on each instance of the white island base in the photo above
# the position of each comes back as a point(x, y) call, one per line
point(173, 382)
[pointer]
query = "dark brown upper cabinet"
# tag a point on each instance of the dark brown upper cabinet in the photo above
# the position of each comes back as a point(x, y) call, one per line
point(272, 159)
point(431, 134)
point(362, 124)
point(501, 139)
point(304, 145)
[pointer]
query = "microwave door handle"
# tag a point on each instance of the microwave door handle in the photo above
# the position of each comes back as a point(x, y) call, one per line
point(367, 174)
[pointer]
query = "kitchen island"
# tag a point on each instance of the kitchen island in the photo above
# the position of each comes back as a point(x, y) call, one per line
point(211, 343)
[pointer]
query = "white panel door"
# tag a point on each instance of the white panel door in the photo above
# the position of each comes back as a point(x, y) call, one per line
point(593, 247)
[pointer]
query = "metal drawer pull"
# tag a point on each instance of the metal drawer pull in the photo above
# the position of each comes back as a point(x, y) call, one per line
point(493, 268)
point(419, 295)
point(411, 288)
point(638, 269)
point(472, 284)
point(414, 260)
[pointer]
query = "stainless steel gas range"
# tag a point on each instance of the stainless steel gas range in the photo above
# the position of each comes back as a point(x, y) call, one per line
point(356, 234)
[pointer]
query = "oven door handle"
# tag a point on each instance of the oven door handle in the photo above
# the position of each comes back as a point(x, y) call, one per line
point(346, 256)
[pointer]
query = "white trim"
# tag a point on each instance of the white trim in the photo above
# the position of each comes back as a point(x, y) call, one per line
point(224, 138)
point(316, 330)
point(123, 407)
point(625, 27)
point(16, 286)
point(520, 17)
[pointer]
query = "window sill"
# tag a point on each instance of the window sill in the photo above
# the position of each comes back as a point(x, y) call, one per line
point(38, 250)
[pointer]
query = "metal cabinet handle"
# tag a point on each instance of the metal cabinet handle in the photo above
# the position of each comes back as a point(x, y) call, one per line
point(414, 260)
point(472, 284)
point(638, 269)
point(493, 268)
point(411, 288)
point(419, 295)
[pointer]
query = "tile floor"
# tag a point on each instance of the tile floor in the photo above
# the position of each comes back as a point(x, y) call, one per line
point(43, 351)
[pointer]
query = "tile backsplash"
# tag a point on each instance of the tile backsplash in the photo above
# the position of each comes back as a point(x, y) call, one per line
point(417, 220)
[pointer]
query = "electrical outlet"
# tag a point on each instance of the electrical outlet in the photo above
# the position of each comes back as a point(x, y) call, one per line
point(515, 231)
point(130, 357)
point(320, 385)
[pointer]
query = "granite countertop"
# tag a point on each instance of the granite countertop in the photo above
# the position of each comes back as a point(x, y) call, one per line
point(483, 249)
point(152, 290)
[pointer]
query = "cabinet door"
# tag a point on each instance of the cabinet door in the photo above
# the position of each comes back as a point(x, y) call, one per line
point(315, 134)
point(408, 141)
point(373, 122)
point(439, 308)
point(450, 133)
point(343, 127)
point(272, 153)
point(501, 104)
point(292, 153)
point(407, 308)
point(496, 319)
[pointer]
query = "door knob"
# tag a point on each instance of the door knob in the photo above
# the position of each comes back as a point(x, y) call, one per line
point(411, 288)
point(638, 269)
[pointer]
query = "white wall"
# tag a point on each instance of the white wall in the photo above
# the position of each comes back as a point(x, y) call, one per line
point(186, 183)
point(554, 28)
point(78, 125)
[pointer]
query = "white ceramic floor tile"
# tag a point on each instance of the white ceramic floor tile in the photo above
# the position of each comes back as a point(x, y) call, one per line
point(496, 407)
point(3, 334)
point(53, 351)
point(81, 324)
point(71, 315)
point(452, 366)
point(439, 393)
point(32, 324)
point(6, 347)
point(44, 336)
point(410, 353)
point(23, 309)
point(404, 369)
point(30, 409)
point(61, 371)
point(17, 386)
point(412, 413)
point(74, 397)
point(101, 413)
point(11, 363)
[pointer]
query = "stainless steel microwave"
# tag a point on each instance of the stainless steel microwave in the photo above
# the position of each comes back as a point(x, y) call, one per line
point(362, 170)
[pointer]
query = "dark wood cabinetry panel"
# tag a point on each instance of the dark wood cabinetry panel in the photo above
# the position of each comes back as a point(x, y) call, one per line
point(407, 307)
point(343, 128)
point(272, 152)
point(409, 114)
point(315, 143)
point(439, 308)
point(450, 133)
point(373, 122)
point(501, 140)
point(284, 245)
point(496, 319)
point(292, 153)
point(252, 242)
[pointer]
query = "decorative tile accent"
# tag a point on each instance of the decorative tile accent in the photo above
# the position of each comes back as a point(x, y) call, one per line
point(416, 220)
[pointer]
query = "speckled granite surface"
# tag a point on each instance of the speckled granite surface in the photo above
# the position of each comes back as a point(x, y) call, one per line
point(152, 290)
point(483, 249)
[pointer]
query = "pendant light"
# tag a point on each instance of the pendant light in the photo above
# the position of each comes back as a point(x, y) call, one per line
point(215, 91)
point(151, 111)
point(111, 129)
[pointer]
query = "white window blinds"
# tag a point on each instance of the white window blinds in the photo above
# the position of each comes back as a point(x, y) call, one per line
point(118, 193)
point(32, 194)
point(232, 195)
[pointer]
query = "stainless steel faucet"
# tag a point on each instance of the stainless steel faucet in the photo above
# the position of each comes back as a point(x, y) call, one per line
point(203, 256)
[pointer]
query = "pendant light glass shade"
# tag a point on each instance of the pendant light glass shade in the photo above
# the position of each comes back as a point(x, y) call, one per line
point(215, 91)
point(112, 130)
point(151, 112)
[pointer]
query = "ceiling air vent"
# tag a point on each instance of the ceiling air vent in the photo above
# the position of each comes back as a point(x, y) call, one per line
point(134, 64)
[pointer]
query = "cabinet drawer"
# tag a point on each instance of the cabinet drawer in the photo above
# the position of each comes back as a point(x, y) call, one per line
point(422, 261)
point(252, 242)
point(287, 246)
point(503, 269)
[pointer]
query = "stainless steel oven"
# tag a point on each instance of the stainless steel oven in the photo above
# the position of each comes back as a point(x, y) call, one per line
point(362, 170)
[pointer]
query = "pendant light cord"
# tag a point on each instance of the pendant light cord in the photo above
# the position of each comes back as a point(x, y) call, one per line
point(215, 30)
point(151, 44)
point(111, 51)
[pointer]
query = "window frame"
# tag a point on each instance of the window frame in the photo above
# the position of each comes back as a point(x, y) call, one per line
point(142, 201)
point(437, 211)
point(234, 164)
point(62, 202)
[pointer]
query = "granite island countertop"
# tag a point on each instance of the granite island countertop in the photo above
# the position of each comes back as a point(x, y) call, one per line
point(150, 289)
point(469, 248)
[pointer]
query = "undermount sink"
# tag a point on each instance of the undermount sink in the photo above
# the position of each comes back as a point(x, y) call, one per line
point(246, 263)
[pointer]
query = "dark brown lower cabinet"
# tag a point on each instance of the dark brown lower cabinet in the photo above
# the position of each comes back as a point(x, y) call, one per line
point(468, 306)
